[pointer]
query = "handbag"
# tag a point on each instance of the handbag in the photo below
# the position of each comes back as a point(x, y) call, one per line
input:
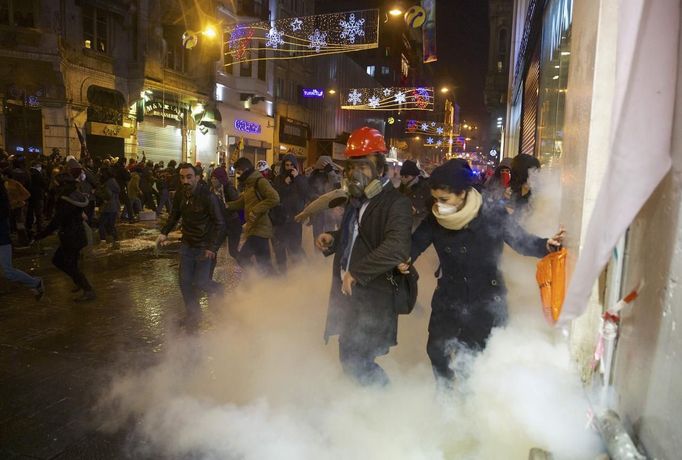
point(551, 278)
point(405, 286)
point(405, 289)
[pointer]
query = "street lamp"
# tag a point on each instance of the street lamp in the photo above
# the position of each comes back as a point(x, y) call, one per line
point(332, 91)
point(444, 89)
point(210, 32)
point(395, 11)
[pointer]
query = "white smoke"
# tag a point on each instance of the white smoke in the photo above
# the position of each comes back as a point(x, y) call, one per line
point(261, 384)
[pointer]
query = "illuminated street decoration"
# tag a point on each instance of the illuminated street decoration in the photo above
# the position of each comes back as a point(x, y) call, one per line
point(317, 93)
point(247, 126)
point(430, 128)
point(410, 98)
point(301, 37)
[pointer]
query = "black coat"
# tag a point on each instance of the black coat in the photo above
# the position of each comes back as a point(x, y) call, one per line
point(419, 194)
point(470, 297)
point(292, 196)
point(68, 221)
point(368, 315)
point(203, 221)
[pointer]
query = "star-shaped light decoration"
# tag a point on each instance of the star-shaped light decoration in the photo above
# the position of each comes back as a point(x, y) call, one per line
point(400, 97)
point(374, 102)
point(296, 24)
point(387, 92)
point(429, 140)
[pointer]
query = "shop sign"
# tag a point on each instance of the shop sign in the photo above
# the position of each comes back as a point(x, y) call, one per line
point(161, 109)
point(108, 130)
point(247, 126)
point(313, 92)
point(293, 132)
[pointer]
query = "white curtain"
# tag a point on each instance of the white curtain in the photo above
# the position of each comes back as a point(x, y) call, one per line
point(646, 76)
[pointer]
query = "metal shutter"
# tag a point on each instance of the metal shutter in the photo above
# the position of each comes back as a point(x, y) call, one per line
point(160, 143)
point(531, 86)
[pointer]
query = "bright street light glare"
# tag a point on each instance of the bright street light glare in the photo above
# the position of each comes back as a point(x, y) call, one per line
point(210, 32)
point(332, 91)
point(444, 89)
point(395, 12)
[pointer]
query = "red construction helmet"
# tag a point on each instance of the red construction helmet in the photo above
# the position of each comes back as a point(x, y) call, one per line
point(365, 141)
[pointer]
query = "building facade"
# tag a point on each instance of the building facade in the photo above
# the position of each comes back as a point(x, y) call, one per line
point(117, 71)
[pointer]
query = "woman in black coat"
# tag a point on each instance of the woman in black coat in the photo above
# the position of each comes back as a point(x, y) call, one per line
point(68, 220)
point(468, 232)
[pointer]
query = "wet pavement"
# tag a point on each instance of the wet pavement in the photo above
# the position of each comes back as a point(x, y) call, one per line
point(57, 356)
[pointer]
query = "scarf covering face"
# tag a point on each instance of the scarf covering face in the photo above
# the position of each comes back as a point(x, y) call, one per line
point(461, 218)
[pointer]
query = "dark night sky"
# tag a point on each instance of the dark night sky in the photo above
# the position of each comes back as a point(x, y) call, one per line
point(462, 42)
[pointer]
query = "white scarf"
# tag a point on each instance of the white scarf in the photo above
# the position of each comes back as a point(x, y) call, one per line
point(461, 218)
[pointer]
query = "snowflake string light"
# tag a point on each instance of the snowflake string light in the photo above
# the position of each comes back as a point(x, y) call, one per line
point(387, 92)
point(439, 143)
point(373, 102)
point(400, 97)
point(429, 140)
point(352, 28)
point(354, 97)
point(274, 38)
point(451, 141)
point(439, 130)
point(296, 25)
point(317, 40)
point(424, 127)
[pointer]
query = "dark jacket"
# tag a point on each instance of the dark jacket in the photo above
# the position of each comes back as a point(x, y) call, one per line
point(203, 224)
point(293, 195)
point(39, 185)
point(470, 280)
point(122, 176)
point(5, 211)
point(385, 243)
point(113, 204)
point(68, 220)
point(419, 194)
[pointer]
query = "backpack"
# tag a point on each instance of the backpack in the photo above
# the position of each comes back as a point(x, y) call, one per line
point(277, 214)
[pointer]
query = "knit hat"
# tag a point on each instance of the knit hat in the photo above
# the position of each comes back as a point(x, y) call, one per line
point(409, 168)
point(455, 175)
point(221, 175)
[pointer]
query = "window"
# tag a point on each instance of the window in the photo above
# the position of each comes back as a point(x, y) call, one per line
point(95, 29)
point(371, 70)
point(20, 13)
point(279, 88)
point(404, 65)
point(176, 54)
point(499, 66)
point(385, 70)
point(262, 65)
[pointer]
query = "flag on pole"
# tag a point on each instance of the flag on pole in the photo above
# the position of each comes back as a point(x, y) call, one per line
point(85, 155)
point(643, 106)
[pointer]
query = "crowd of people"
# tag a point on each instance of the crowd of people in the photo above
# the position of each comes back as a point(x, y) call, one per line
point(375, 226)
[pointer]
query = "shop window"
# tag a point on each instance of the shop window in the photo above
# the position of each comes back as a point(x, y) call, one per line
point(20, 13)
point(554, 62)
point(95, 29)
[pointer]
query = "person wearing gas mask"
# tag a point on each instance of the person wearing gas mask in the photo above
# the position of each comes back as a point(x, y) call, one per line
point(414, 186)
point(203, 231)
point(292, 188)
point(374, 237)
point(468, 231)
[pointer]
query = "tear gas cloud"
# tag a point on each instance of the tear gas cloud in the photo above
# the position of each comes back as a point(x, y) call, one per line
point(261, 383)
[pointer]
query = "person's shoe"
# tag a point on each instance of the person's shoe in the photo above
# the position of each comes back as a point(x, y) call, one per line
point(86, 296)
point(39, 290)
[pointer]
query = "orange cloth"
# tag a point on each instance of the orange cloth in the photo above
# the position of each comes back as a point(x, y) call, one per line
point(551, 277)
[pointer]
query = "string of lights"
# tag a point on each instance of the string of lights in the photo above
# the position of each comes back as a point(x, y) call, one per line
point(396, 98)
point(429, 128)
point(302, 37)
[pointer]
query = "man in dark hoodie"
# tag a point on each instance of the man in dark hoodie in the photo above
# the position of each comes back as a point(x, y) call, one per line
point(68, 220)
point(292, 188)
point(203, 230)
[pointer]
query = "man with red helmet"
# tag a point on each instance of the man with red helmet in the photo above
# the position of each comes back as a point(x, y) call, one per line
point(374, 237)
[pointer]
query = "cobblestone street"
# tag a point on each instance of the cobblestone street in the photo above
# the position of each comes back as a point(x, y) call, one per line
point(56, 356)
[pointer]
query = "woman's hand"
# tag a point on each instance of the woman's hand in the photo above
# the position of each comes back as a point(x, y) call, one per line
point(555, 242)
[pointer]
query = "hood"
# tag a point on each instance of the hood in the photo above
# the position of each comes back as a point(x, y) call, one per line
point(323, 161)
point(76, 198)
point(249, 177)
point(289, 157)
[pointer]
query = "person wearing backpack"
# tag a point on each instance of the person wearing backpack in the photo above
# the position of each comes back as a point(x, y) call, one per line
point(257, 199)
point(292, 188)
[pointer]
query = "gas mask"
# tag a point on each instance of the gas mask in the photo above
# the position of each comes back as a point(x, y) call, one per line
point(359, 185)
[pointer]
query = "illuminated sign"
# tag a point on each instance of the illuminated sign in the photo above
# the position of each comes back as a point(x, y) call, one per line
point(247, 126)
point(313, 92)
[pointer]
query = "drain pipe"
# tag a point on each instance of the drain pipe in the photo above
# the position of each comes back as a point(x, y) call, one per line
point(618, 442)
